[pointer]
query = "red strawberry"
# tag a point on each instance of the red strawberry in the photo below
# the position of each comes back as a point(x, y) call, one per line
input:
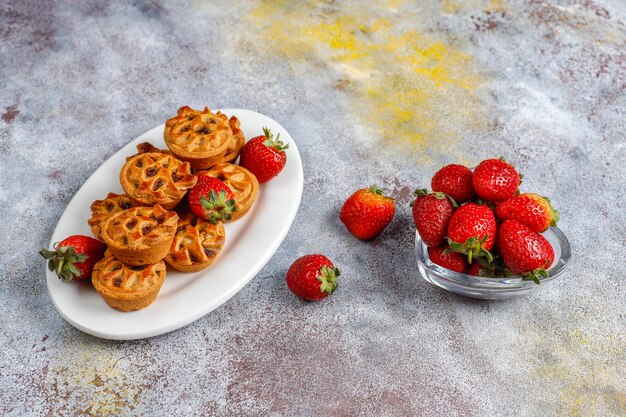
point(74, 257)
point(264, 156)
point(525, 252)
point(472, 231)
point(495, 180)
point(312, 277)
point(367, 212)
point(443, 256)
point(494, 269)
point(211, 199)
point(431, 214)
point(456, 181)
point(474, 269)
point(530, 209)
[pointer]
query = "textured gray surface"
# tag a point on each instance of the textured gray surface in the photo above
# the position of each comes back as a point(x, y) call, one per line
point(385, 94)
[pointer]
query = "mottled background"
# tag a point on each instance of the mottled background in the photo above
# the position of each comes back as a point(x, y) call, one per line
point(382, 93)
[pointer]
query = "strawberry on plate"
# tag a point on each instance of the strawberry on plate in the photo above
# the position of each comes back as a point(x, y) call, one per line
point(73, 258)
point(211, 199)
point(530, 209)
point(367, 212)
point(431, 214)
point(472, 231)
point(312, 277)
point(264, 156)
point(525, 252)
point(456, 181)
point(442, 256)
point(495, 180)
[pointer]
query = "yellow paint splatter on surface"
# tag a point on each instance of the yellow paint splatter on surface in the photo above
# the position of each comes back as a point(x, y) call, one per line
point(92, 376)
point(405, 85)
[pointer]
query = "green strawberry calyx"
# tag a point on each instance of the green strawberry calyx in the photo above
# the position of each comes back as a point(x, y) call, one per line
point(555, 216)
point(270, 142)
point(536, 274)
point(218, 207)
point(328, 277)
point(62, 260)
point(472, 247)
point(375, 189)
point(422, 192)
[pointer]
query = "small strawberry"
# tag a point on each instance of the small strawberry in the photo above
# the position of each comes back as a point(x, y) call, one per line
point(367, 212)
point(456, 181)
point(494, 269)
point(495, 180)
point(73, 258)
point(312, 277)
point(211, 199)
point(525, 252)
point(530, 209)
point(264, 156)
point(431, 214)
point(472, 231)
point(442, 256)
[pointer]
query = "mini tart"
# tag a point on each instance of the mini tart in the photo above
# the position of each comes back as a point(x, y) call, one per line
point(196, 244)
point(125, 287)
point(156, 178)
point(140, 235)
point(239, 140)
point(242, 182)
point(200, 137)
point(102, 209)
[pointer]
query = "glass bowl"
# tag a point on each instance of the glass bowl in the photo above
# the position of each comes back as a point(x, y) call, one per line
point(492, 288)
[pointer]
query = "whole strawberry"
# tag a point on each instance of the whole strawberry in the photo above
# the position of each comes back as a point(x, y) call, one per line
point(431, 214)
point(472, 231)
point(211, 199)
point(442, 256)
point(456, 181)
point(73, 258)
point(530, 209)
point(367, 212)
point(264, 156)
point(495, 180)
point(312, 277)
point(524, 251)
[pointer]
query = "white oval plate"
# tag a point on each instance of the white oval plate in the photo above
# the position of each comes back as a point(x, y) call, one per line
point(185, 297)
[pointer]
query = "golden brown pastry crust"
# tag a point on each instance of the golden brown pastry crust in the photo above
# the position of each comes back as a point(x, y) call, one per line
point(200, 137)
point(156, 178)
point(125, 287)
point(239, 140)
point(102, 209)
point(242, 182)
point(140, 235)
point(197, 243)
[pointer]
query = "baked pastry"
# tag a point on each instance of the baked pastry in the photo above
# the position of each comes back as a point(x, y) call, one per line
point(196, 244)
point(140, 235)
point(125, 287)
point(237, 144)
point(102, 209)
point(200, 137)
point(242, 182)
point(156, 178)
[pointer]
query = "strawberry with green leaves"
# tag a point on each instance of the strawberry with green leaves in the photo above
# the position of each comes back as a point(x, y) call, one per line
point(530, 209)
point(456, 181)
point(73, 258)
point(472, 231)
point(525, 252)
point(264, 156)
point(443, 256)
point(367, 212)
point(211, 199)
point(431, 214)
point(312, 277)
point(495, 180)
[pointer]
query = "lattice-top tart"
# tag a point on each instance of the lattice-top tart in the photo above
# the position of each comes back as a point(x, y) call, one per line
point(237, 144)
point(242, 182)
point(156, 178)
point(200, 137)
point(102, 209)
point(140, 235)
point(196, 244)
point(125, 287)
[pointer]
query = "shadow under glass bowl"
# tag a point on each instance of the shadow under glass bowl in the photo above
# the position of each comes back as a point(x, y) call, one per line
point(492, 288)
